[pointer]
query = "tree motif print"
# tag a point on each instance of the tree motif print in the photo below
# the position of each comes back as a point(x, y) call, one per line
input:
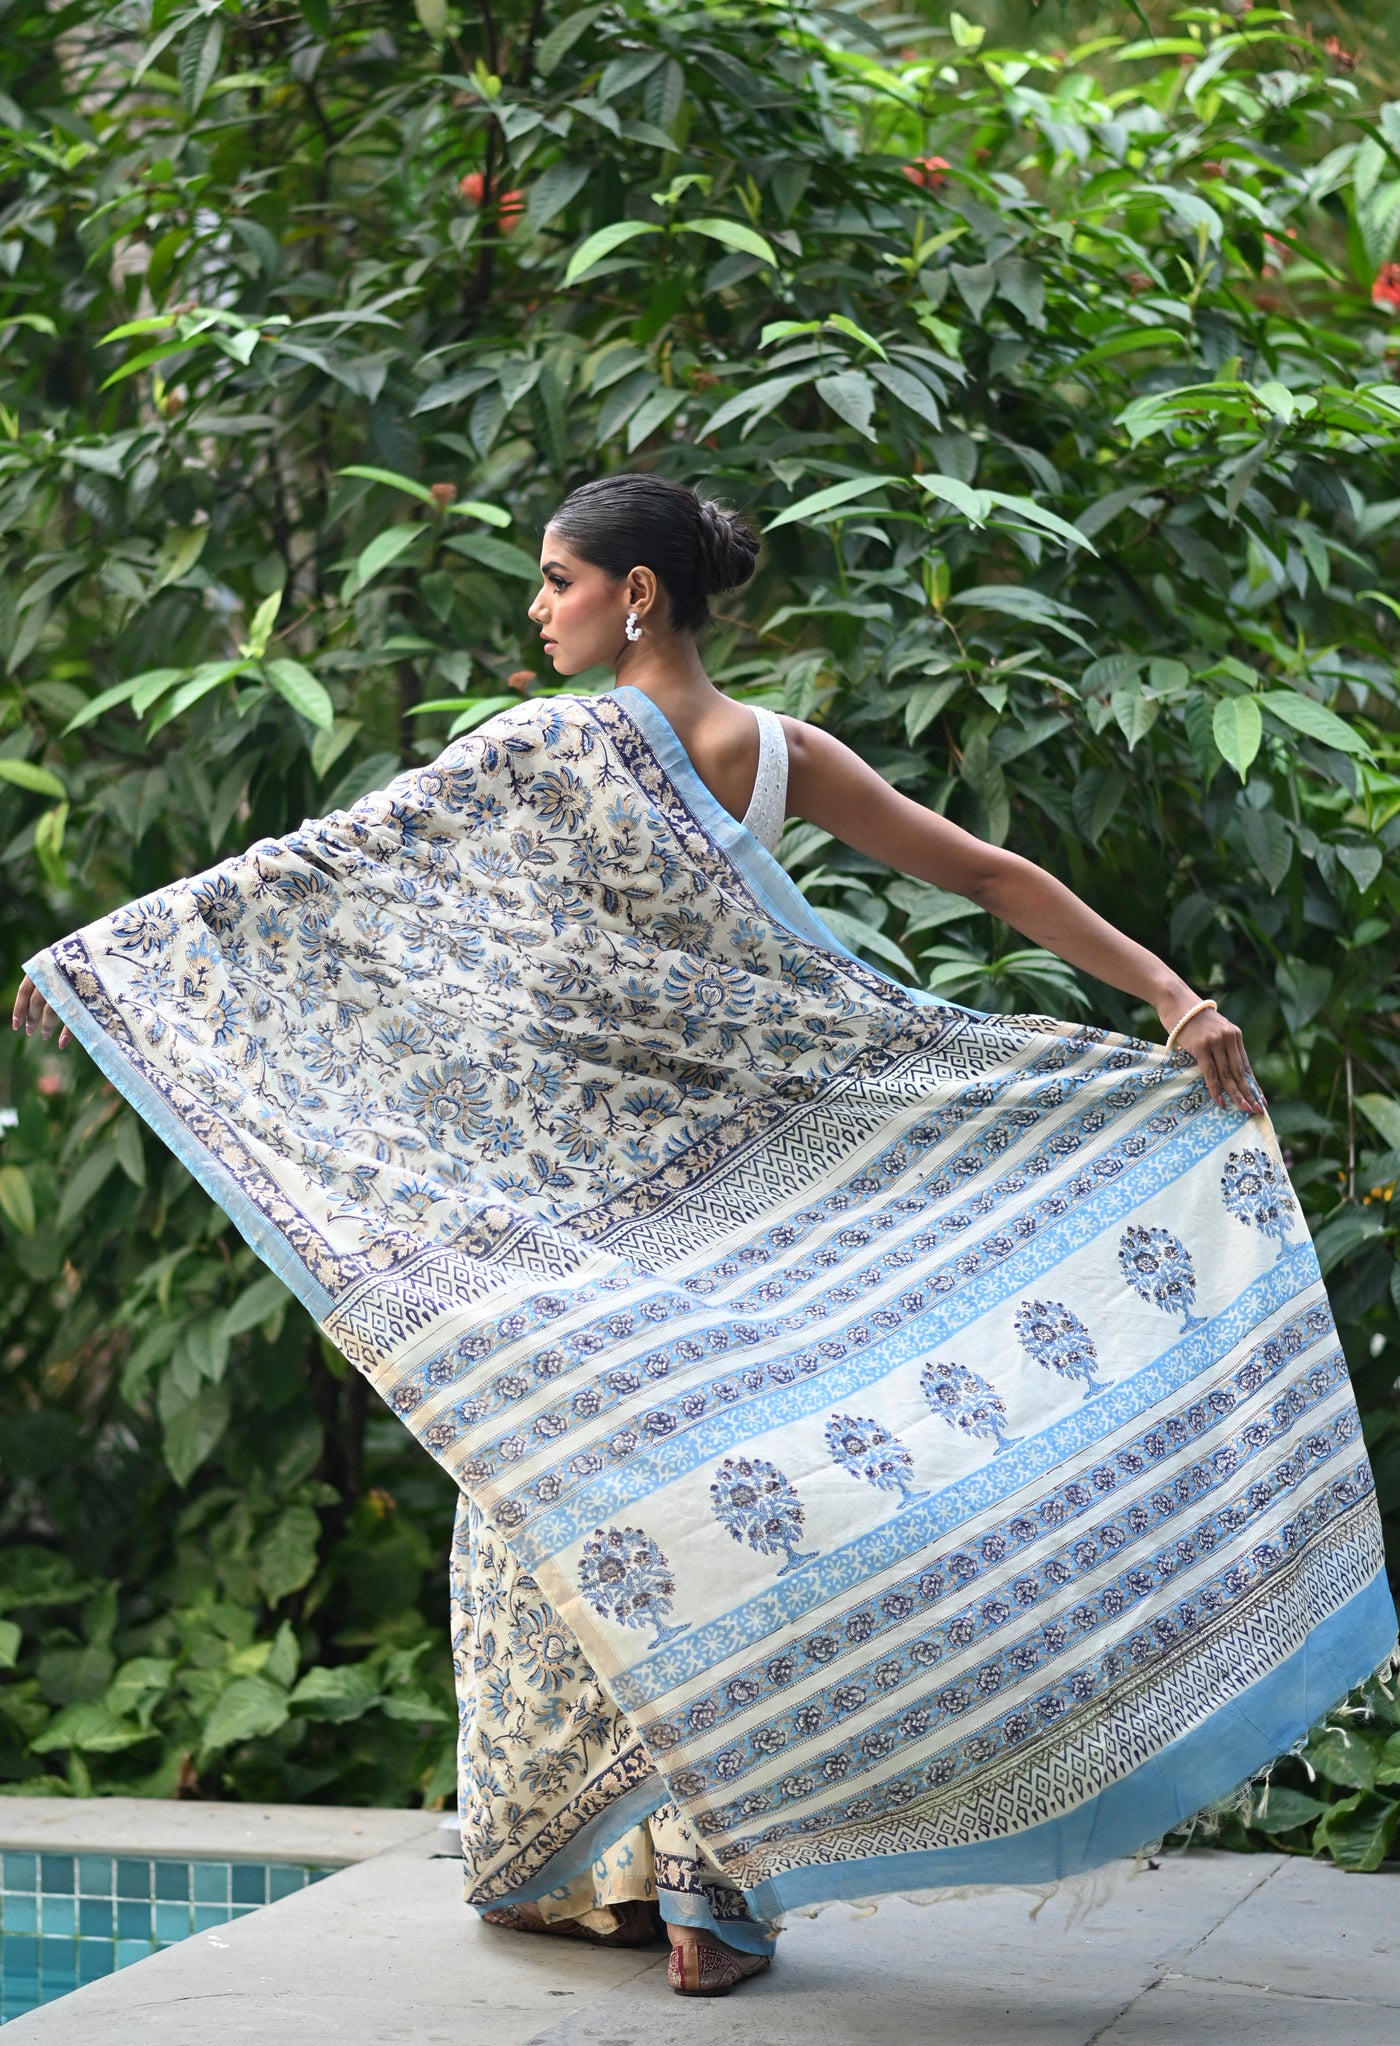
point(1257, 1194)
point(964, 1400)
point(865, 1449)
point(759, 1506)
point(1158, 1267)
point(1054, 1336)
point(627, 1578)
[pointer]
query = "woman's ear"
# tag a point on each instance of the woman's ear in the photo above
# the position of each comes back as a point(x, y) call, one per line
point(645, 596)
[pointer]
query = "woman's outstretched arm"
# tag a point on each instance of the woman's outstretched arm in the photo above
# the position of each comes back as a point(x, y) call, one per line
point(833, 787)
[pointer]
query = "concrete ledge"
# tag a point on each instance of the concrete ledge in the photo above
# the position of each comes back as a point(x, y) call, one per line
point(330, 1836)
point(1202, 1949)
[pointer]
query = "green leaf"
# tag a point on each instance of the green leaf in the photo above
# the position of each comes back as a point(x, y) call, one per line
point(336, 1694)
point(1303, 989)
point(1270, 844)
point(851, 396)
point(602, 244)
point(10, 1638)
point(562, 37)
point(1359, 1832)
point(1314, 719)
point(857, 936)
point(267, 1298)
point(732, 233)
point(124, 692)
point(975, 505)
point(26, 774)
point(499, 555)
point(1383, 1114)
point(193, 1425)
point(250, 1707)
point(833, 494)
point(394, 480)
point(1344, 1234)
point(1281, 1811)
point(285, 1557)
point(16, 1199)
point(302, 691)
point(382, 549)
point(474, 508)
point(260, 631)
point(91, 1728)
point(1238, 728)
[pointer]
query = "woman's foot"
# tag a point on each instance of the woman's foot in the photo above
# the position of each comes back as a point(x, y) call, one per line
point(635, 1927)
point(705, 1967)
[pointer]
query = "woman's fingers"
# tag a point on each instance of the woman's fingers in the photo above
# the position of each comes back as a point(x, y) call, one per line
point(32, 1012)
point(1218, 1049)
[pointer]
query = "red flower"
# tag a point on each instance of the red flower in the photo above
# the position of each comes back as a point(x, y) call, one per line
point(509, 206)
point(1345, 60)
point(442, 494)
point(1386, 289)
point(521, 680)
point(1138, 282)
point(929, 171)
point(1212, 170)
point(49, 1083)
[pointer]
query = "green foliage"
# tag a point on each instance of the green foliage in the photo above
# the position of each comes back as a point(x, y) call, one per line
point(1064, 386)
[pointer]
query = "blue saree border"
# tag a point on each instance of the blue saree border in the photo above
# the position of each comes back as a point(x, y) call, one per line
point(1238, 1739)
point(220, 1185)
point(767, 879)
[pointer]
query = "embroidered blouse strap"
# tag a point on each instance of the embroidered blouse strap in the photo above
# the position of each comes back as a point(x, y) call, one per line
point(768, 803)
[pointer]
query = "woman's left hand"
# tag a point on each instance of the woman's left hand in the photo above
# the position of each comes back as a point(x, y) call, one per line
point(1217, 1046)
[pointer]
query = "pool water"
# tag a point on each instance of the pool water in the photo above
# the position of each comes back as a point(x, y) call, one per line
point(66, 1919)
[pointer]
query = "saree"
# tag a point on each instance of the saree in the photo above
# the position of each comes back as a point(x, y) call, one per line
point(914, 1444)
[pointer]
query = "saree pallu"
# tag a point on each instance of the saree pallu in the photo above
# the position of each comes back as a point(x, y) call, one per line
point(929, 1428)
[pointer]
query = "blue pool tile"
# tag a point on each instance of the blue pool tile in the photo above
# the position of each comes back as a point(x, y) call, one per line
point(282, 1880)
point(129, 1950)
point(249, 1883)
point(172, 1882)
point(242, 1910)
point(94, 1875)
point(58, 1915)
point(58, 1954)
point(96, 1958)
point(133, 1878)
point(95, 1917)
point(56, 1874)
point(22, 1955)
point(134, 1920)
point(20, 1914)
point(207, 1916)
point(21, 1871)
point(210, 1882)
point(172, 1922)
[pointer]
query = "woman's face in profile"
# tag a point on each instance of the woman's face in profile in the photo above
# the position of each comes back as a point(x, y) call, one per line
point(580, 610)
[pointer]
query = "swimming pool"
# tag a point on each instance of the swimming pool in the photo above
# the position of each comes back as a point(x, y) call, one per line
point(66, 1919)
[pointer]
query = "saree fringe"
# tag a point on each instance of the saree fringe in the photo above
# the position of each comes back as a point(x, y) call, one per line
point(921, 1436)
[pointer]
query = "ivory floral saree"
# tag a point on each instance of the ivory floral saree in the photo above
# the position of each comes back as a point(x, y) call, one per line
point(920, 1437)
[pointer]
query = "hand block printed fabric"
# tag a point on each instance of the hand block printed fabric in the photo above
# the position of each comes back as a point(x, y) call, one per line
point(927, 1427)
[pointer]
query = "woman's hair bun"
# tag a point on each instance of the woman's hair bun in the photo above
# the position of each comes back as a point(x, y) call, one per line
point(728, 548)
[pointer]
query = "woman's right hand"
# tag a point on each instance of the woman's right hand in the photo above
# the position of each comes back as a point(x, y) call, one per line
point(33, 1013)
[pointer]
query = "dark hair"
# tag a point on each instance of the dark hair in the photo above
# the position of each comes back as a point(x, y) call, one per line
point(693, 546)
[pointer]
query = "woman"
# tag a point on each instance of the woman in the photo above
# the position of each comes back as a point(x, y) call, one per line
point(898, 1446)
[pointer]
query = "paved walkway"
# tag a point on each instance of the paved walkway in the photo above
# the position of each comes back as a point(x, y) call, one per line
point(1212, 1950)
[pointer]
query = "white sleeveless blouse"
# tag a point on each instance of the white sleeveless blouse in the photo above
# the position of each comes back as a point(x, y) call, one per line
point(768, 803)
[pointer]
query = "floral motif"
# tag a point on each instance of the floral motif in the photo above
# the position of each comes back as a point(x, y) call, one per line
point(865, 1449)
point(1158, 1267)
point(1054, 1336)
point(626, 1577)
point(759, 1505)
point(1258, 1194)
point(965, 1400)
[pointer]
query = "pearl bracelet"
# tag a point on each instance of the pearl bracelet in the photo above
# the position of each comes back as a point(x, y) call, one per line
point(1197, 1009)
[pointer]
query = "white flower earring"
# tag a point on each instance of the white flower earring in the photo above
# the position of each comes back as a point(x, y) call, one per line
point(632, 628)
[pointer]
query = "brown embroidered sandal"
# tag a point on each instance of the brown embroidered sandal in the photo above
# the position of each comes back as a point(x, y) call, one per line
point(704, 1968)
point(637, 1927)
